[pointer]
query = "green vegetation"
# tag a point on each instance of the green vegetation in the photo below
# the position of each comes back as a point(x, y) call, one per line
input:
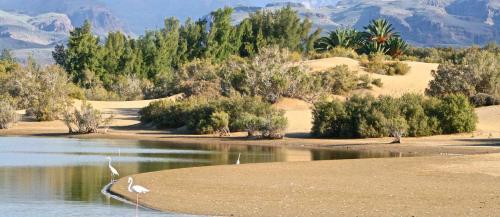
point(475, 75)
point(125, 68)
point(341, 81)
point(412, 115)
point(377, 63)
point(207, 115)
point(379, 37)
point(43, 92)
point(86, 120)
point(446, 54)
point(7, 113)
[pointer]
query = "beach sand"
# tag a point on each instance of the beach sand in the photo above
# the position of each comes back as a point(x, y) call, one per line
point(419, 186)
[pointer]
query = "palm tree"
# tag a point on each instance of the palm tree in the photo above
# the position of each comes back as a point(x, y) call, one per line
point(372, 47)
point(396, 47)
point(380, 31)
point(341, 37)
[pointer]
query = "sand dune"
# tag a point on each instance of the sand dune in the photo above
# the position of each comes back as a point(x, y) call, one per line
point(489, 120)
point(414, 82)
point(298, 113)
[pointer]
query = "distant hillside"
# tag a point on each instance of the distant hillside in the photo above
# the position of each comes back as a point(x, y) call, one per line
point(24, 31)
point(422, 22)
point(103, 20)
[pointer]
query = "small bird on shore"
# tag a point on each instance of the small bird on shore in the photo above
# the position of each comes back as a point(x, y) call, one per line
point(114, 172)
point(137, 189)
point(238, 161)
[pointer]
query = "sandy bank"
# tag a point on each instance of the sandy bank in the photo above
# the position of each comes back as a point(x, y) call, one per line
point(422, 186)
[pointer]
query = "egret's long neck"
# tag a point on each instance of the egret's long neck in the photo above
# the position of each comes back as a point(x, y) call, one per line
point(130, 186)
point(109, 162)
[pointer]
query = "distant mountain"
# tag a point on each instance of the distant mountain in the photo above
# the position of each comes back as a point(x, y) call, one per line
point(103, 20)
point(422, 22)
point(24, 31)
point(428, 22)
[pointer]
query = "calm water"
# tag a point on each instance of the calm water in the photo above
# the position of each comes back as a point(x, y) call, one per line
point(49, 177)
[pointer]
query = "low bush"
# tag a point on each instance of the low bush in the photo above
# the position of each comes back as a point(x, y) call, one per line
point(47, 93)
point(341, 81)
point(7, 113)
point(335, 52)
point(411, 115)
point(456, 114)
point(377, 82)
point(128, 87)
point(377, 64)
point(483, 99)
point(397, 68)
point(475, 76)
point(86, 120)
point(205, 116)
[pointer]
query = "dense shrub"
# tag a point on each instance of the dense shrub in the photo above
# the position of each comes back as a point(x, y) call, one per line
point(46, 93)
point(397, 68)
point(198, 77)
point(483, 99)
point(411, 114)
point(341, 81)
point(202, 115)
point(377, 82)
point(476, 73)
point(377, 64)
point(456, 114)
point(86, 120)
point(128, 87)
point(7, 113)
point(220, 123)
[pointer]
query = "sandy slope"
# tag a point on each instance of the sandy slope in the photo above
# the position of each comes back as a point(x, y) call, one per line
point(415, 81)
point(298, 114)
point(422, 186)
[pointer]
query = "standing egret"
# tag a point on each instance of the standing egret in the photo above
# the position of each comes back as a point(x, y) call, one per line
point(238, 161)
point(114, 172)
point(137, 189)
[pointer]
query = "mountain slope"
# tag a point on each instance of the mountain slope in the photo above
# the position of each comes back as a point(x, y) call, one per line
point(78, 11)
point(422, 22)
point(24, 31)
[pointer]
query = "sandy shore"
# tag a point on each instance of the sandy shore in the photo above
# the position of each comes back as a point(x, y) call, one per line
point(421, 186)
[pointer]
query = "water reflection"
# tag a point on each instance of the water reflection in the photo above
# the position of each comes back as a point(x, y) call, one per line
point(64, 177)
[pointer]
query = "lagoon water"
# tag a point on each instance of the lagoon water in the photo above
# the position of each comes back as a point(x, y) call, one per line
point(47, 177)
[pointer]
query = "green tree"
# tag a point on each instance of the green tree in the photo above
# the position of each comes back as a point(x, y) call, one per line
point(114, 49)
point(380, 31)
point(397, 47)
point(83, 53)
point(222, 42)
point(341, 37)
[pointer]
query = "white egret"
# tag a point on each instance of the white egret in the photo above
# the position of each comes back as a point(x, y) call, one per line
point(238, 161)
point(137, 189)
point(114, 172)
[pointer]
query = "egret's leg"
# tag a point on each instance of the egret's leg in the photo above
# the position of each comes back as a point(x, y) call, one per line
point(137, 206)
